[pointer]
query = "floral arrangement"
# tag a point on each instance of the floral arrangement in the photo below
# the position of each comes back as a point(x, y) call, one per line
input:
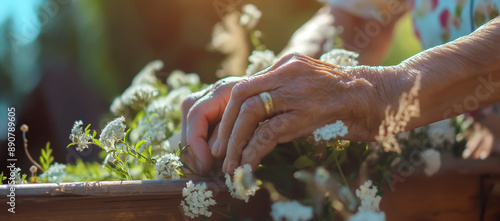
point(309, 178)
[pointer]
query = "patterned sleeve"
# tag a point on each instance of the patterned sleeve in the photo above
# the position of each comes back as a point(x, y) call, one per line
point(362, 8)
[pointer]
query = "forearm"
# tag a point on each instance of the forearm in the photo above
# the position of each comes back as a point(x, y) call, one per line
point(370, 38)
point(457, 77)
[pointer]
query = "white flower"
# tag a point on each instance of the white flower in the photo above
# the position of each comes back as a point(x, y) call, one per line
point(441, 132)
point(138, 94)
point(117, 107)
point(178, 78)
point(330, 131)
point(55, 174)
point(197, 199)
point(167, 167)
point(111, 133)
point(259, 60)
point(340, 57)
point(250, 16)
point(244, 184)
point(18, 177)
point(368, 216)
point(148, 74)
point(321, 176)
point(160, 106)
point(171, 145)
point(291, 211)
point(432, 159)
point(79, 137)
point(176, 96)
point(368, 196)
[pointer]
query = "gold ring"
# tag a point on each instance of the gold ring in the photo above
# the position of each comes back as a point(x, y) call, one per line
point(268, 103)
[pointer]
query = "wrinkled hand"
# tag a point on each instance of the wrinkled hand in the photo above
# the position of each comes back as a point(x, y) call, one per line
point(307, 94)
point(201, 114)
point(484, 138)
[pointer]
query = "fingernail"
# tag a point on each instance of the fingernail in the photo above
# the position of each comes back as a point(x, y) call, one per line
point(466, 153)
point(215, 149)
point(231, 166)
point(483, 155)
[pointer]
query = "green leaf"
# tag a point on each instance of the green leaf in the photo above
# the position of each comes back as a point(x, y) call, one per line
point(87, 128)
point(352, 176)
point(303, 162)
point(69, 145)
point(94, 134)
point(142, 159)
point(139, 144)
point(150, 149)
point(125, 138)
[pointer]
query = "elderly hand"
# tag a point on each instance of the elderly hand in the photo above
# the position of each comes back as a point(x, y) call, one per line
point(307, 94)
point(201, 114)
point(484, 138)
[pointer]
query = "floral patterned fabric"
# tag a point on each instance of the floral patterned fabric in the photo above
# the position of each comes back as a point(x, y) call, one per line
point(435, 22)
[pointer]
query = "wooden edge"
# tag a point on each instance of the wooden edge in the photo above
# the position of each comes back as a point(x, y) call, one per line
point(110, 188)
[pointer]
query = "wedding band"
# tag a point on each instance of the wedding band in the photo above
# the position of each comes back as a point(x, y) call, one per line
point(268, 103)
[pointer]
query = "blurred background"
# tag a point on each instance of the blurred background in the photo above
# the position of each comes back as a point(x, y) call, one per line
point(66, 60)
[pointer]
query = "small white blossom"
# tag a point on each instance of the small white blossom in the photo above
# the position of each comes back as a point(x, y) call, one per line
point(244, 184)
point(432, 159)
point(18, 177)
point(148, 74)
point(197, 199)
point(250, 16)
point(368, 216)
point(111, 133)
point(330, 131)
point(340, 57)
point(167, 167)
point(160, 106)
point(441, 132)
point(178, 79)
point(79, 137)
point(171, 145)
point(138, 94)
point(291, 211)
point(321, 176)
point(368, 196)
point(259, 60)
point(55, 174)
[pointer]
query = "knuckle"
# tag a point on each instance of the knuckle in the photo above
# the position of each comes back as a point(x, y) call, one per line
point(250, 106)
point(240, 88)
point(188, 103)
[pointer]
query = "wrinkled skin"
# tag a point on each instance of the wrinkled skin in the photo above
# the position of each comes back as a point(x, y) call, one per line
point(307, 94)
point(484, 137)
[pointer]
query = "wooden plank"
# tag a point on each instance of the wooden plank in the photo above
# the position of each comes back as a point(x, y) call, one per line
point(117, 200)
point(452, 194)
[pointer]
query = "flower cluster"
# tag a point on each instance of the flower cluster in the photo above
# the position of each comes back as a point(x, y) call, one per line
point(113, 131)
point(244, 184)
point(368, 196)
point(330, 131)
point(197, 199)
point(432, 159)
point(138, 95)
point(55, 174)
point(368, 215)
point(140, 91)
point(340, 57)
point(259, 60)
point(167, 167)
point(291, 211)
point(250, 16)
point(79, 136)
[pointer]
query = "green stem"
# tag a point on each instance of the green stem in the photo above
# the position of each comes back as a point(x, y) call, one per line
point(221, 213)
point(340, 170)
